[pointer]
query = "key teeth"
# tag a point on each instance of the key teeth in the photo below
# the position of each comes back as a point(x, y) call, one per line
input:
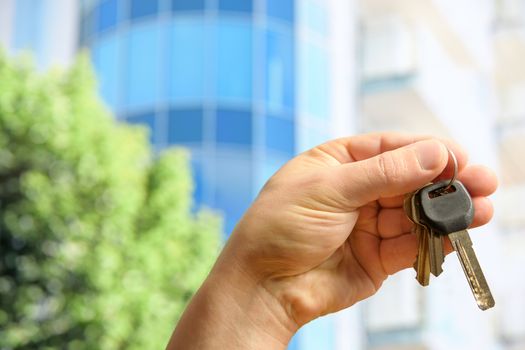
point(437, 273)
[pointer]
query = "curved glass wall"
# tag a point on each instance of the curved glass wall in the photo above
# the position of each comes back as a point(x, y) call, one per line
point(216, 76)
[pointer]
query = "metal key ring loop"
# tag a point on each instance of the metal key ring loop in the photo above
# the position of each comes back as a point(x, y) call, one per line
point(455, 162)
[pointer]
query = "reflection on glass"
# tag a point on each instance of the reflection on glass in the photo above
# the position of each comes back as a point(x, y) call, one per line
point(280, 91)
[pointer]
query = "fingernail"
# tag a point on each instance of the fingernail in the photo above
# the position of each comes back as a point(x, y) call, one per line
point(429, 154)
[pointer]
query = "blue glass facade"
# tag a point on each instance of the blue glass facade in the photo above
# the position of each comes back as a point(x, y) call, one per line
point(217, 77)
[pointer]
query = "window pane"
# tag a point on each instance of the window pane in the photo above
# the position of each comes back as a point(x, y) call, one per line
point(188, 57)
point(106, 62)
point(280, 93)
point(107, 15)
point(236, 5)
point(280, 135)
point(313, 76)
point(143, 65)
point(187, 5)
point(234, 76)
point(145, 119)
point(234, 127)
point(281, 9)
point(233, 193)
point(185, 126)
point(142, 8)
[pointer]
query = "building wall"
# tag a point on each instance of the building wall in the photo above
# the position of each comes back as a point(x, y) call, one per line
point(6, 22)
point(428, 67)
point(509, 77)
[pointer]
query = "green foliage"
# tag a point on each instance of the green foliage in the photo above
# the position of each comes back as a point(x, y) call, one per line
point(99, 248)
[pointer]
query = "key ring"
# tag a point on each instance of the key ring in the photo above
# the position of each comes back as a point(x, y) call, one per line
point(455, 162)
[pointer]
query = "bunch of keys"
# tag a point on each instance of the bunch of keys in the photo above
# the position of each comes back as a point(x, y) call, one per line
point(441, 210)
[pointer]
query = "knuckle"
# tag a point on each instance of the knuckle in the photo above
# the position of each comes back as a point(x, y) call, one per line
point(390, 169)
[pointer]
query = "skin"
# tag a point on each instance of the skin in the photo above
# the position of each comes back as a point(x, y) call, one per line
point(324, 233)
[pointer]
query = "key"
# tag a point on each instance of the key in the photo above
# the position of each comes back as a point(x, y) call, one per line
point(437, 255)
point(449, 211)
point(435, 245)
point(422, 263)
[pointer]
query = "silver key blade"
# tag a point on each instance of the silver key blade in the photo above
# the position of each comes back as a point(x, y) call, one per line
point(437, 256)
point(469, 262)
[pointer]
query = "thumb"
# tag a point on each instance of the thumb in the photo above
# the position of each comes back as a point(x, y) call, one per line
point(391, 173)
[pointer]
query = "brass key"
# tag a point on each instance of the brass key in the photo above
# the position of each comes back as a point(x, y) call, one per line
point(437, 255)
point(422, 263)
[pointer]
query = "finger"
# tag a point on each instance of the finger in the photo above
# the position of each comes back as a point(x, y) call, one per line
point(398, 253)
point(388, 174)
point(479, 180)
point(360, 147)
point(483, 211)
point(366, 146)
point(392, 202)
point(393, 222)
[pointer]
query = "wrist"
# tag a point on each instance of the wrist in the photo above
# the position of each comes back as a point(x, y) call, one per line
point(250, 308)
point(232, 310)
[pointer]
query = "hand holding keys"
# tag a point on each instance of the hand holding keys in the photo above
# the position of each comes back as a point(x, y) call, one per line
point(440, 210)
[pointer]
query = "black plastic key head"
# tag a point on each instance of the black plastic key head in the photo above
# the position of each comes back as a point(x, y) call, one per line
point(446, 211)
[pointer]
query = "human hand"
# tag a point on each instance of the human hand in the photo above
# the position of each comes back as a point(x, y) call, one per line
point(328, 228)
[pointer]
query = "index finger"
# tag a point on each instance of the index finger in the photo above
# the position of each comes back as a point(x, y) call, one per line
point(360, 147)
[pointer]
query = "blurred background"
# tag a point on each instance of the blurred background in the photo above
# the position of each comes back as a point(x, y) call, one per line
point(247, 84)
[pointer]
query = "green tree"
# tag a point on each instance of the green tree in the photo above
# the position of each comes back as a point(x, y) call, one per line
point(99, 248)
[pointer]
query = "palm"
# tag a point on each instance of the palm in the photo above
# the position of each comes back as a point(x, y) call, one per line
point(339, 266)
